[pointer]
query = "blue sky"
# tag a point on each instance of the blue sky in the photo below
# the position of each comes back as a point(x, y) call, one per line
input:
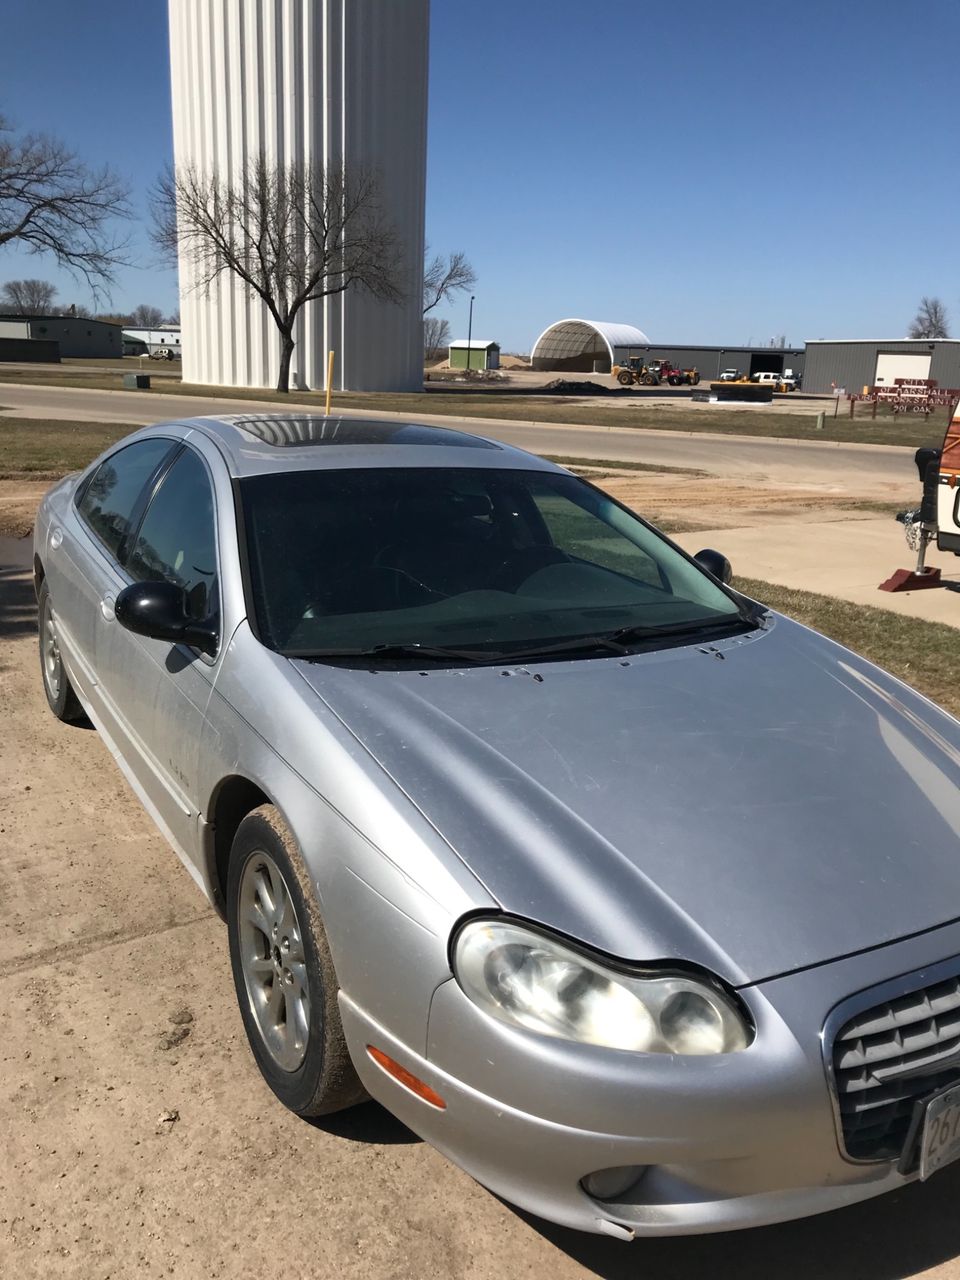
point(711, 173)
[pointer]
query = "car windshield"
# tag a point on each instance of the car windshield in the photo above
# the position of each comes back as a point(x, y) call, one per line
point(468, 562)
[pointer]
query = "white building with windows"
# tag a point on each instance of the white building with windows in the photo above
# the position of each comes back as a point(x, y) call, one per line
point(162, 342)
point(320, 81)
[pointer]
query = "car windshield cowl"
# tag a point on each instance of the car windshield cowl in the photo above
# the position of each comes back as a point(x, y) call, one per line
point(620, 642)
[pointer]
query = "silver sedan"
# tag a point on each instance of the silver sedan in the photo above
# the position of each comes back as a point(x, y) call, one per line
point(637, 900)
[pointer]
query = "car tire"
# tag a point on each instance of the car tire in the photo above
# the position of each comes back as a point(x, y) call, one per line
point(283, 971)
point(61, 699)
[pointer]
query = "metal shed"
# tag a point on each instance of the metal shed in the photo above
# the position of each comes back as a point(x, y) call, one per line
point(482, 354)
point(587, 346)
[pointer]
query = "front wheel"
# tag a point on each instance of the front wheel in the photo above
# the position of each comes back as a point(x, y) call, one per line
point(283, 971)
point(62, 700)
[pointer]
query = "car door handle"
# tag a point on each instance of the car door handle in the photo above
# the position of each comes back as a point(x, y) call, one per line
point(108, 607)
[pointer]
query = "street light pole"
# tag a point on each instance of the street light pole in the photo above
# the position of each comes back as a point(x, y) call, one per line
point(469, 333)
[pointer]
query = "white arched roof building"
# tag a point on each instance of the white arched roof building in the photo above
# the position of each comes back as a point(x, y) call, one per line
point(586, 346)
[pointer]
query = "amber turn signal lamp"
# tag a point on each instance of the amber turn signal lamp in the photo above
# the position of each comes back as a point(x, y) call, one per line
point(406, 1078)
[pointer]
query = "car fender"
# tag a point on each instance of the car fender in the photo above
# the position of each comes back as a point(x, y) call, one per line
point(389, 888)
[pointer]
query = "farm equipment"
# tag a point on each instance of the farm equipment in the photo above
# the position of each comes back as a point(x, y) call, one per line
point(633, 372)
point(683, 377)
point(653, 373)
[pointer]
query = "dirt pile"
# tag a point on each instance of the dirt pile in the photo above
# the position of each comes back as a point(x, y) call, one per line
point(564, 387)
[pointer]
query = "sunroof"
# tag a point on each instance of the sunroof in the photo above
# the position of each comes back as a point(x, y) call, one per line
point(296, 432)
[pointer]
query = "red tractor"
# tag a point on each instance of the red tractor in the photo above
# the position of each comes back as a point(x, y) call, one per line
point(653, 373)
point(678, 377)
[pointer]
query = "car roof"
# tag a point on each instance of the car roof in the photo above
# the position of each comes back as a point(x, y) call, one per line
point(258, 444)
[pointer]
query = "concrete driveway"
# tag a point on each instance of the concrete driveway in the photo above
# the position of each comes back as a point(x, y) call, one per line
point(848, 558)
point(139, 1140)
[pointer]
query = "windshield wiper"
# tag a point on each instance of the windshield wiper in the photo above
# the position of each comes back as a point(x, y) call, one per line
point(388, 651)
point(625, 635)
point(576, 644)
point(613, 642)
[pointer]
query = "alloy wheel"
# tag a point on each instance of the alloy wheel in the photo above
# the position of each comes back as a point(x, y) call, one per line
point(273, 961)
point(50, 648)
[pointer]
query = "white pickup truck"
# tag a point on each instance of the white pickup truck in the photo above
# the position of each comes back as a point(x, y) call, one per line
point(782, 381)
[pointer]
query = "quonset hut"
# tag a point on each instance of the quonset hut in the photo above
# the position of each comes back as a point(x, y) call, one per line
point(587, 346)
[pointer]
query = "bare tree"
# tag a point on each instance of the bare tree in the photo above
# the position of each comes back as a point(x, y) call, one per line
point(930, 321)
point(290, 233)
point(146, 317)
point(28, 297)
point(436, 337)
point(162, 201)
point(443, 276)
point(173, 318)
point(51, 202)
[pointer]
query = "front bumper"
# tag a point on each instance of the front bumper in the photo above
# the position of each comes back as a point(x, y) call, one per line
point(741, 1140)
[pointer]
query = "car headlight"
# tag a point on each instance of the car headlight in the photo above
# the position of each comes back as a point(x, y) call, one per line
point(531, 980)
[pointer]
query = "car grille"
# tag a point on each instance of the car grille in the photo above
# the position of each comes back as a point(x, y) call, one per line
point(875, 1056)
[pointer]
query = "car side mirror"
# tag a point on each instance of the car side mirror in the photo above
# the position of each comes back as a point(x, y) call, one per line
point(715, 564)
point(158, 610)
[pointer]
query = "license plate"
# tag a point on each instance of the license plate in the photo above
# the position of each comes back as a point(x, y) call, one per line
point(940, 1142)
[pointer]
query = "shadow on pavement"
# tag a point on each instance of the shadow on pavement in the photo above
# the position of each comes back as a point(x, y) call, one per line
point(890, 1238)
point(367, 1123)
point(18, 603)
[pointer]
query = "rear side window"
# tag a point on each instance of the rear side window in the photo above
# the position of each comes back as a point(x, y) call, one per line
point(177, 540)
point(112, 492)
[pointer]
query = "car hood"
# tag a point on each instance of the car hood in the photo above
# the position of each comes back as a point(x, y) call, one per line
point(755, 806)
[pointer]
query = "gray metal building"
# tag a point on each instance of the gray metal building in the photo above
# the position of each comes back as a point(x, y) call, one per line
point(711, 361)
point(75, 335)
point(856, 364)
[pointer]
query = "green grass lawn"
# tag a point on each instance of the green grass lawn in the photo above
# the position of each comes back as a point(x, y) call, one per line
point(38, 448)
point(631, 409)
point(126, 364)
point(925, 655)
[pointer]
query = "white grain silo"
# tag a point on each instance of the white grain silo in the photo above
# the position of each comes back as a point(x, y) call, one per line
point(317, 81)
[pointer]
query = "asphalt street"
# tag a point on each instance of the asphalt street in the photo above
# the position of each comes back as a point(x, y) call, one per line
point(870, 471)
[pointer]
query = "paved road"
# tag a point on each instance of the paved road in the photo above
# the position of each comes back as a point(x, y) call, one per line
point(862, 470)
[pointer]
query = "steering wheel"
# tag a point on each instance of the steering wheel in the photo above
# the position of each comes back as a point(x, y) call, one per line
point(523, 564)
